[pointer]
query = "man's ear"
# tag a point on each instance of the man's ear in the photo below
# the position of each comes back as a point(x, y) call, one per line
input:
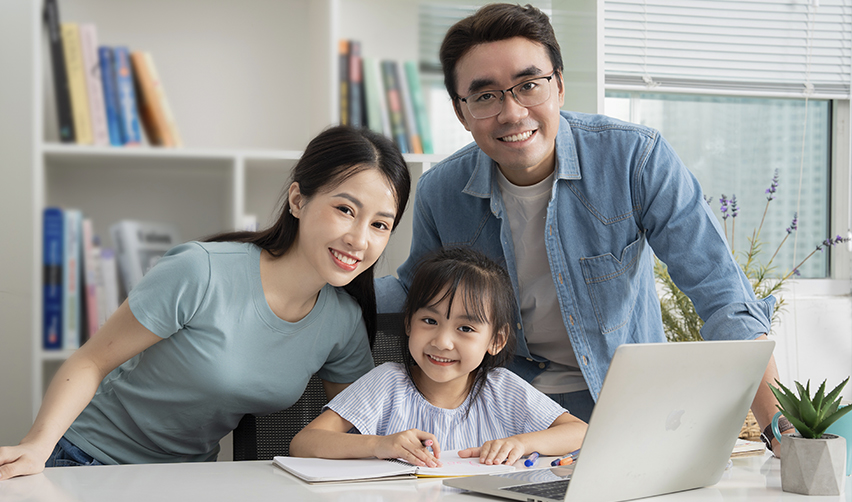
point(295, 199)
point(459, 114)
point(499, 341)
point(561, 84)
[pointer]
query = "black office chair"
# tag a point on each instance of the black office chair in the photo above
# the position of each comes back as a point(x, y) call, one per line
point(263, 437)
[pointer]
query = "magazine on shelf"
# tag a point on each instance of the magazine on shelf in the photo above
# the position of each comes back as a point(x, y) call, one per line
point(138, 247)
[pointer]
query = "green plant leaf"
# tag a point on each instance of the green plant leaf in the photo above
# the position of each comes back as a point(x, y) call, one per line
point(800, 426)
point(825, 424)
point(834, 395)
point(818, 400)
point(806, 407)
point(786, 399)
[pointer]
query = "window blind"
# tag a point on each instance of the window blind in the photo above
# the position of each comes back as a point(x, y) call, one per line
point(790, 48)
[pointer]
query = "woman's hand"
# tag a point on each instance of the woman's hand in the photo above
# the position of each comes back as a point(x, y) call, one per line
point(21, 460)
point(497, 451)
point(409, 446)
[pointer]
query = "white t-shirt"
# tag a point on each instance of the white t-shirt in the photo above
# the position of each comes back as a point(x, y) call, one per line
point(544, 328)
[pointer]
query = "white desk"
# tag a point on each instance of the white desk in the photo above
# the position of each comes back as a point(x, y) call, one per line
point(754, 479)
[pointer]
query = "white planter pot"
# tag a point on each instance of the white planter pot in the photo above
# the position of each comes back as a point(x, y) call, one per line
point(813, 466)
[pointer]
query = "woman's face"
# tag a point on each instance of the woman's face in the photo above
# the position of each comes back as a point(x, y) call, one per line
point(344, 230)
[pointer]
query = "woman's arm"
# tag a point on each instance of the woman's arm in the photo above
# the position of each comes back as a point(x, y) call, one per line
point(326, 437)
point(565, 434)
point(77, 380)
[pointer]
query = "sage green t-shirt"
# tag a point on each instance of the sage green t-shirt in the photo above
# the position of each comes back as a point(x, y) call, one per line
point(224, 353)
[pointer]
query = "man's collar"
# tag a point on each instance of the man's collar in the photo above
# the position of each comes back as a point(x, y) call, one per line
point(567, 163)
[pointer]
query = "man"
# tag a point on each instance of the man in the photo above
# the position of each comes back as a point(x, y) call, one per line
point(570, 204)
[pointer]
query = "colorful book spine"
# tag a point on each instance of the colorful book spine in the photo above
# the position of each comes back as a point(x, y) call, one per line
point(356, 85)
point(418, 101)
point(343, 78)
point(408, 112)
point(77, 83)
point(394, 101)
point(65, 117)
point(109, 276)
point(94, 83)
point(71, 310)
point(90, 280)
point(53, 238)
point(128, 110)
point(112, 104)
point(374, 93)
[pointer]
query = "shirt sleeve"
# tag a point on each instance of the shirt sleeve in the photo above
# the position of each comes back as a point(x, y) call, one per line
point(170, 294)
point(368, 400)
point(519, 406)
point(351, 357)
point(688, 238)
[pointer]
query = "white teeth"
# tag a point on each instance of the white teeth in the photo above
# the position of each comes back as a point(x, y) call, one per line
point(345, 259)
point(517, 137)
point(441, 359)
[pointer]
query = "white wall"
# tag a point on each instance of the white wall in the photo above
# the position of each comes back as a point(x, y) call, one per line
point(814, 336)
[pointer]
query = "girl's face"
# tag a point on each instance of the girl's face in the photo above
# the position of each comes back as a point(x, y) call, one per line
point(343, 231)
point(446, 349)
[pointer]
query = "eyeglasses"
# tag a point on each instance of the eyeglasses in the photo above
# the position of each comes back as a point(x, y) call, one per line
point(532, 92)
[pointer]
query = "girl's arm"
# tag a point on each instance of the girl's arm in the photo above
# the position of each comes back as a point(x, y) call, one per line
point(74, 385)
point(565, 434)
point(326, 437)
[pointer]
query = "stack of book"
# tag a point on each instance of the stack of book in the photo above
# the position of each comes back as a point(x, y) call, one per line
point(384, 95)
point(103, 93)
point(84, 282)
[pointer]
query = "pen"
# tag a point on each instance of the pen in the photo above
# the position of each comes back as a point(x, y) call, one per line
point(571, 456)
point(529, 462)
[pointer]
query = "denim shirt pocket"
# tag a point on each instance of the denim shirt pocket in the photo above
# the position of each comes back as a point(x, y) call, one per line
point(610, 284)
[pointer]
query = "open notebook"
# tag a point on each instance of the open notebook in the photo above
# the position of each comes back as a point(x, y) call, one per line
point(320, 470)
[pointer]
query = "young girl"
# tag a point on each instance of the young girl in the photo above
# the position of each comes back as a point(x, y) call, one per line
point(234, 325)
point(451, 392)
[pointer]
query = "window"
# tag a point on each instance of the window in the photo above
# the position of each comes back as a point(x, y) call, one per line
point(734, 145)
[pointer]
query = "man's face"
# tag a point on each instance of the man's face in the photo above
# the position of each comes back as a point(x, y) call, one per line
point(521, 140)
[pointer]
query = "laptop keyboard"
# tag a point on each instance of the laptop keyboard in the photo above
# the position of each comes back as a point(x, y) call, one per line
point(550, 489)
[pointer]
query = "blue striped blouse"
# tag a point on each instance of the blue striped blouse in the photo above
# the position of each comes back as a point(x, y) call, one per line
point(385, 401)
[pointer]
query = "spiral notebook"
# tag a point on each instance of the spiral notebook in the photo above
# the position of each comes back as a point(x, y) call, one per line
point(321, 470)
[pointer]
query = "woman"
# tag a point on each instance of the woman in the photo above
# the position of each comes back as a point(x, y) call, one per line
point(234, 325)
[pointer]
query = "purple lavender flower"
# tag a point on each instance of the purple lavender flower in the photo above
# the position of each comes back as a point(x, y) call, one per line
point(724, 208)
point(794, 225)
point(734, 207)
point(773, 187)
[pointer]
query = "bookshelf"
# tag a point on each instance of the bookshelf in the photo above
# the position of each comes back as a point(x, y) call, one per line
point(250, 83)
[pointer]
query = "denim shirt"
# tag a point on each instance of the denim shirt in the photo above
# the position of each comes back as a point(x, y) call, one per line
point(619, 191)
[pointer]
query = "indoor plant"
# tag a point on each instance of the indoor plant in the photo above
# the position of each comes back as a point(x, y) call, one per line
point(680, 320)
point(812, 462)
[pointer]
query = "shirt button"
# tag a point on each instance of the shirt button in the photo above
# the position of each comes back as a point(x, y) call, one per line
point(519, 325)
point(541, 365)
point(529, 359)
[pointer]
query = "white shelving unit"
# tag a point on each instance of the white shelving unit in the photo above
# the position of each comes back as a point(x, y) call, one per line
point(250, 84)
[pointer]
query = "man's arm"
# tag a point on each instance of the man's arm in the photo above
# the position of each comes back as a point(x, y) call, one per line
point(764, 404)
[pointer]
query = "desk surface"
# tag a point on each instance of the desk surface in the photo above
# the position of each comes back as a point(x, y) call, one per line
point(754, 479)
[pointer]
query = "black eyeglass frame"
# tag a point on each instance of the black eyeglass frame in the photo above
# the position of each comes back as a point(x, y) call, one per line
point(510, 90)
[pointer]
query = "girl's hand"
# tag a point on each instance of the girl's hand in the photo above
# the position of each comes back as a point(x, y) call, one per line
point(498, 451)
point(408, 445)
point(21, 460)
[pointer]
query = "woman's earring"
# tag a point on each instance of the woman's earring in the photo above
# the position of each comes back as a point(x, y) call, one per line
point(290, 209)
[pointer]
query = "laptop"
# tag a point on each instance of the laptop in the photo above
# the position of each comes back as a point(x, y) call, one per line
point(667, 419)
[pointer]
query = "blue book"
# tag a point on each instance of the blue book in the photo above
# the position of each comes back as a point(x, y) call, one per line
point(53, 237)
point(129, 109)
point(106, 59)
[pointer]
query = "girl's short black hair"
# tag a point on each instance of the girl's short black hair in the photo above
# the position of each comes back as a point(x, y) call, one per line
point(483, 287)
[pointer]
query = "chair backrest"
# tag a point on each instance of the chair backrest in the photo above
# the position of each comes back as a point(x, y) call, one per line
point(263, 437)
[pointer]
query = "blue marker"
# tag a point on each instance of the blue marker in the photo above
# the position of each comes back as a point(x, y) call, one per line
point(529, 462)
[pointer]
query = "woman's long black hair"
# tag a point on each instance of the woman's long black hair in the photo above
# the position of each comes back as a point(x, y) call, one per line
point(331, 158)
point(485, 291)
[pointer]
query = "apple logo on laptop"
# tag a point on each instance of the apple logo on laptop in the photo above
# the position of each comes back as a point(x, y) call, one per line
point(673, 420)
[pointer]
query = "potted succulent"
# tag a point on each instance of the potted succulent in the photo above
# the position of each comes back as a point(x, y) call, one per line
point(812, 462)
